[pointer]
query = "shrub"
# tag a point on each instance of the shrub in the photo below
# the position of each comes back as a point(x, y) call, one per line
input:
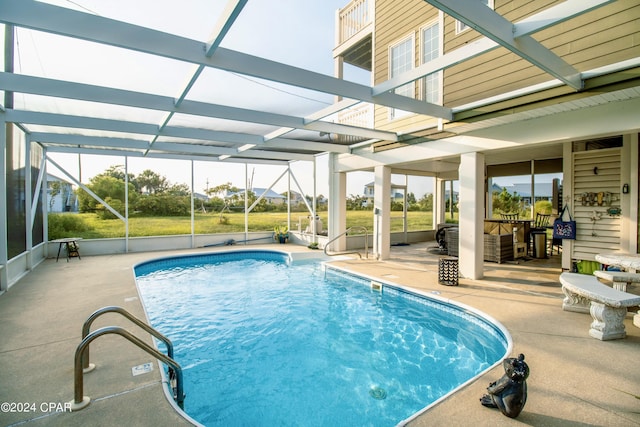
point(104, 213)
point(65, 225)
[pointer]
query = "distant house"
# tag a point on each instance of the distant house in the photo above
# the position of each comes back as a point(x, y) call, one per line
point(296, 198)
point(542, 191)
point(396, 196)
point(270, 196)
point(60, 195)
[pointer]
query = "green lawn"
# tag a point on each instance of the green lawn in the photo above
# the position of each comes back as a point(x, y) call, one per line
point(89, 226)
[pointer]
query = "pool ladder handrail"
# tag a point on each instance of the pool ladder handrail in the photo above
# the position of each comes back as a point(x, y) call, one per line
point(86, 366)
point(175, 370)
point(366, 243)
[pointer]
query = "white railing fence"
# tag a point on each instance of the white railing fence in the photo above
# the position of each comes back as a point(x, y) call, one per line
point(355, 16)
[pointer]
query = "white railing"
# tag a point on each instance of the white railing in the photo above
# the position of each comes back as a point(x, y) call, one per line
point(354, 17)
point(361, 115)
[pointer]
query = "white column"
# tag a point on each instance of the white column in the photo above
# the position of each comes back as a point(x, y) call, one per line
point(567, 192)
point(629, 201)
point(337, 208)
point(126, 204)
point(338, 72)
point(438, 202)
point(382, 212)
point(4, 239)
point(193, 208)
point(471, 216)
point(28, 224)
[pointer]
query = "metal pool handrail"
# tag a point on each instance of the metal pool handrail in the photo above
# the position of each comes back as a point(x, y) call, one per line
point(80, 401)
point(366, 243)
point(114, 309)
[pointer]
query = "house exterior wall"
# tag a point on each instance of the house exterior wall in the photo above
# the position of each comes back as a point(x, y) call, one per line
point(603, 36)
point(64, 201)
point(396, 20)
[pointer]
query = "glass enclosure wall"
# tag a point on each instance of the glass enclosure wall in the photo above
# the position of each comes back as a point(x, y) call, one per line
point(16, 192)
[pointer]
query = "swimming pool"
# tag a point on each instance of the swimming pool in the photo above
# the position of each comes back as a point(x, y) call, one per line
point(263, 341)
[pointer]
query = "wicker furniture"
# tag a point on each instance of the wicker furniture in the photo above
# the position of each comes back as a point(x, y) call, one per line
point(497, 247)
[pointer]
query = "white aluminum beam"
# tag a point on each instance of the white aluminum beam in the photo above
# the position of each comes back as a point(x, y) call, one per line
point(80, 91)
point(218, 151)
point(107, 152)
point(447, 60)
point(229, 15)
point(133, 144)
point(83, 140)
point(556, 14)
point(492, 25)
point(294, 144)
point(62, 120)
point(70, 23)
point(79, 122)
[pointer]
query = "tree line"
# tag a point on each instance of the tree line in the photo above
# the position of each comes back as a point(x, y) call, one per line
point(151, 194)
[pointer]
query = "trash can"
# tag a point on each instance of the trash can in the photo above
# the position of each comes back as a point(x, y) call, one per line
point(448, 271)
point(540, 245)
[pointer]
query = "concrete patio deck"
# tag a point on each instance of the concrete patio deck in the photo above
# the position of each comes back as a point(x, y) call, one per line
point(575, 380)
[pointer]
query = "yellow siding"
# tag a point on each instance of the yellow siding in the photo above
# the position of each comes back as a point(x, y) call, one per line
point(396, 20)
point(601, 37)
point(604, 36)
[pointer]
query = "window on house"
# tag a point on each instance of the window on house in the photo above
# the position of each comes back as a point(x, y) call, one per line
point(461, 26)
point(400, 61)
point(430, 51)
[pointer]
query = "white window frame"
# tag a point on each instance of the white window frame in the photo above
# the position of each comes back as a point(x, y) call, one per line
point(395, 113)
point(439, 74)
point(462, 27)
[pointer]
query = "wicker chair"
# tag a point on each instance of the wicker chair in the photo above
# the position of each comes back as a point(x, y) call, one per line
point(509, 216)
point(541, 222)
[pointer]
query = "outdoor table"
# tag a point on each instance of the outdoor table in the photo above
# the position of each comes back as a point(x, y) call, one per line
point(71, 244)
point(626, 261)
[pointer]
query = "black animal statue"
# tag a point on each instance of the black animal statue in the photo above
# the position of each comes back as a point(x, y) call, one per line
point(509, 393)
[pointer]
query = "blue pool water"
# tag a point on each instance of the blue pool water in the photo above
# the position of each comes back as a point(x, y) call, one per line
point(266, 343)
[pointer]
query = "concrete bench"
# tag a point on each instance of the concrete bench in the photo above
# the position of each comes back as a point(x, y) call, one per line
point(619, 279)
point(608, 306)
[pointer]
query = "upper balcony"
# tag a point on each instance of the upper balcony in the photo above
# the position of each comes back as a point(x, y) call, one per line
point(354, 32)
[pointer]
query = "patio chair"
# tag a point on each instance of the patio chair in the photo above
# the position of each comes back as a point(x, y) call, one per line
point(541, 222)
point(509, 216)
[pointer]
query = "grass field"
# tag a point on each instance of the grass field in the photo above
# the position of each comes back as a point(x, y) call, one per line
point(89, 226)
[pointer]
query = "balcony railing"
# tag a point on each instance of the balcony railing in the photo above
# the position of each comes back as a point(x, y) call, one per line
point(353, 18)
point(361, 115)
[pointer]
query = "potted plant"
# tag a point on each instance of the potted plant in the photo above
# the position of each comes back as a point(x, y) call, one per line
point(281, 233)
